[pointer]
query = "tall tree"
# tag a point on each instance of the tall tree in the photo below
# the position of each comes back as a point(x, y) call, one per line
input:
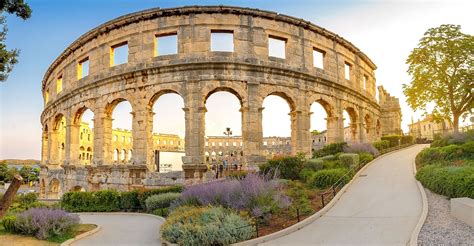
point(8, 58)
point(442, 72)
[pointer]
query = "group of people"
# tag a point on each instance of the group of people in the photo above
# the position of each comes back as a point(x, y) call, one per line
point(225, 164)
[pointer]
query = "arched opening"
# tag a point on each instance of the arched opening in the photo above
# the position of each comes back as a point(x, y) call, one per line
point(78, 188)
point(276, 124)
point(58, 150)
point(320, 113)
point(85, 121)
point(224, 123)
point(54, 188)
point(168, 131)
point(350, 126)
point(121, 129)
point(378, 128)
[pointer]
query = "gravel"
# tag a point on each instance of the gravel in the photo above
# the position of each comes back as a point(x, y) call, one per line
point(440, 227)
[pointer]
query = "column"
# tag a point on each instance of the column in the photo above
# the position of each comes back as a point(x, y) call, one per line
point(53, 148)
point(362, 134)
point(103, 154)
point(142, 127)
point(72, 142)
point(300, 134)
point(44, 147)
point(335, 126)
point(252, 134)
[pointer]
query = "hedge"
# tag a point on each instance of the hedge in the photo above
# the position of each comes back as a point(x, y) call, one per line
point(314, 164)
point(365, 158)
point(288, 167)
point(326, 178)
point(110, 200)
point(381, 145)
point(394, 140)
point(445, 155)
point(164, 200)
point(330, 149)
point(450, 181)
point(349, 159)
point(406, 139)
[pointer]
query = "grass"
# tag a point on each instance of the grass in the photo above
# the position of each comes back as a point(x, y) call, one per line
point(23, 240)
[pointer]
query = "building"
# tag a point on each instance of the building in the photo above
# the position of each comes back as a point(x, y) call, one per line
point(428, 127)
point(319, 140)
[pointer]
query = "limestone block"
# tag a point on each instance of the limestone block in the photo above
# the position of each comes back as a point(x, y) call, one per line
point(463, 209)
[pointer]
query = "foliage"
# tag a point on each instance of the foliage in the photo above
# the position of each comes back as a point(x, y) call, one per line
point(45, 223)
point(24, 201)
point(394, 140)
point(326, 178)
point(6, 173)
point(8, 223)
point(454, 138)
point(441, 67)
point(300, 197)
point(143, 195)
point(330, 149)
point(361, 147)
point(206, 226)
point(287, 167)
point(365, 158)
point(129, 201)
point(313, 164)
point(349, 159)
point(450, 181)
point(406, 139)
point(161, 200)
point(381, 145)
point(239, 174)
point(254, 193)
point(306, 173)
point(445, 155)
point(107, 200)
point(29, 174)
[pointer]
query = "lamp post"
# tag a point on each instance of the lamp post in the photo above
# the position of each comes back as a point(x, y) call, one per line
point(228, 132)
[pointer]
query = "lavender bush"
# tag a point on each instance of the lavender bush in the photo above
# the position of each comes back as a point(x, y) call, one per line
point(254, 193)
point(361, 147)
point(45, 223)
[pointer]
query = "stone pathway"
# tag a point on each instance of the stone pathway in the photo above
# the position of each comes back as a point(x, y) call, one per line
point(122, 229)
point(378, 209)
point(440, 227)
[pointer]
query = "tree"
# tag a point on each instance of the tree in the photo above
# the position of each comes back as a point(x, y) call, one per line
point(442, 72)
point(8, 58)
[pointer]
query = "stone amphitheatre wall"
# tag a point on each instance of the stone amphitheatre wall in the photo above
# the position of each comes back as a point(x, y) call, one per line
point(196, 72)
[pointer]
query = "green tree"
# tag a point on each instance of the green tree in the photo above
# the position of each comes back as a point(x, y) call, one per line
point(3, 170)
point(442, 72)
point(8, 58)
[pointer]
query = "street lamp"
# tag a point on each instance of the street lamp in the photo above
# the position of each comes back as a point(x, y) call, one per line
point(228, 132)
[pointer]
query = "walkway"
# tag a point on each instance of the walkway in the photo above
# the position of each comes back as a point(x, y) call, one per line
point(380, 208)
point(122, 229)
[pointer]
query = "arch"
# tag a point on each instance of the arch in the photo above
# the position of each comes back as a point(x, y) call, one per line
point(368, 123)
point(160, 93)
point(286, 96)
point(116, 155)
point(240, 95)
point(352, 136)
point(54, 186)
point(123, 156)
point(78, 188)
point(42, 192)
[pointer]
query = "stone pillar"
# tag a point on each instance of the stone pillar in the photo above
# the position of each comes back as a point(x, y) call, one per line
point(195, 112)
point(300, 134)
point(252, 134)
point(335, 126)
point(362, 134)
point(103, 153)
point(72, 143)
point(53, 148)
point(142, 127)
point(44, 147)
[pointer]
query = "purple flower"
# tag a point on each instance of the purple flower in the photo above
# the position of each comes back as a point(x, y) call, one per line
point(44, 223)
point(361, 147)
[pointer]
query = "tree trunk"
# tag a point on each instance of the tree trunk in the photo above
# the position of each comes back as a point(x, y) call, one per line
point(7, 198)
point(456, 123)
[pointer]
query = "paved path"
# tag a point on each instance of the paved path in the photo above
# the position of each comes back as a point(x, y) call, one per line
point(122, 229)
point(381, 208)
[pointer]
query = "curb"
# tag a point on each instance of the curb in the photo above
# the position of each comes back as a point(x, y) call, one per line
point(424, 212)
point(318, 214)
point(81, 236)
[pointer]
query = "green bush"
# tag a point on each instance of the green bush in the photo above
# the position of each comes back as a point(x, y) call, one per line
point(330, 149)
point(381, 145)
point(333, 164)
point(143, 195)
point(206, 226)
point(306, 173)
point(314, 164)
point(129, 201)
point(239, 174)
point(99, 201)
point(349, 159)
point(163, 212)
point(394, 140)
point(300, 197)
point(406, 139)
point(107, 201)
point(326, 178)
point(161, 200)
point(328, 158)
point(8, 223)
point(365, 158)
point(288, 167)
point(445, 155)
point(449, 181)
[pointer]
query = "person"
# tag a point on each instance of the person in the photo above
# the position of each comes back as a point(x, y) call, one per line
point(225, 164)
point(221, 169)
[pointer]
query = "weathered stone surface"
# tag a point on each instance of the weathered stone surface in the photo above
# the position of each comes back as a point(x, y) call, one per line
point(194, 73)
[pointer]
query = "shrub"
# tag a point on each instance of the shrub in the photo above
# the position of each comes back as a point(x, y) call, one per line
point(349, 159)
point(361, 147)
point(163, 212)
point(8, 223)
point(206, 226)
point(45, 223)
point(449, 181)
point(333, 164)
point(306, 173)
point(77, 201)
point(381, 145)
point(240, 174)
point(394, 140)
point(328, 158)
point(143, 195)
point(161, 200)
point(107, 201)
point(365, 158)
point(254, 193)
point(326, 178)
point(406, 139)
point(445, 155)
point(129, 201)
point(330, 149)
point(288, 167)
point(314, 164)
point(300, 196)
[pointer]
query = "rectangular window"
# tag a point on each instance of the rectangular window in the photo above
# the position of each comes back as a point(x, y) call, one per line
point(347, 71)
point(276, 47)
point(166, 44)
point(222, 41)
point(318, 58)
point(119, 54)
point(123, 139)
point(366, 79)
point(83, 68)
point(59, 84)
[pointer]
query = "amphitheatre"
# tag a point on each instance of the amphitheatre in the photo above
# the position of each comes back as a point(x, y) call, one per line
point(315, 66)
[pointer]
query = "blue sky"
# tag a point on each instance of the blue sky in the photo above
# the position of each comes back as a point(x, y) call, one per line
point(385, 30)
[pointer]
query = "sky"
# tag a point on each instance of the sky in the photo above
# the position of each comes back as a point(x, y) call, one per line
point(384, 30)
